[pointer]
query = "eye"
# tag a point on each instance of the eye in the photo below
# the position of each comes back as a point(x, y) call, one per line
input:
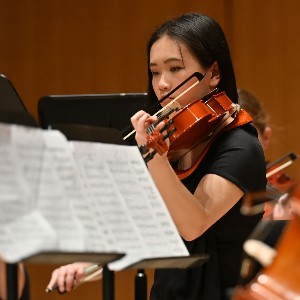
point(154, 73)
point(176, 69)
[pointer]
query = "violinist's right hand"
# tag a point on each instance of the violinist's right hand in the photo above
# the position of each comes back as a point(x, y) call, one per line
point(66, 278)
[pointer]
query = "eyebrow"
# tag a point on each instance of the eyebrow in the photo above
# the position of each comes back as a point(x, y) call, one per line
point(171, 59)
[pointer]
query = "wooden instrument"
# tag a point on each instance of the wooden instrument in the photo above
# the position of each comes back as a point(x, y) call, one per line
point(281, 279)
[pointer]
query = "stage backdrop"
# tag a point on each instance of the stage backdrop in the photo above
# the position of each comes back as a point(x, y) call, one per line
point(93, 46)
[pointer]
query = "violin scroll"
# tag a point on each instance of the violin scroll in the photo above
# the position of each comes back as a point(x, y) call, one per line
point(156, 140)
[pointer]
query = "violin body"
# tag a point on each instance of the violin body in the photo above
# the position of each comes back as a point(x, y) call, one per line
point(197, 122)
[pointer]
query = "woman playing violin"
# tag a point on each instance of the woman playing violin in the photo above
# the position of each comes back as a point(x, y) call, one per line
point(205, 206)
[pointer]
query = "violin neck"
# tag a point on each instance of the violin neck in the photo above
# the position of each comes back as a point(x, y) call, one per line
point(164, 113)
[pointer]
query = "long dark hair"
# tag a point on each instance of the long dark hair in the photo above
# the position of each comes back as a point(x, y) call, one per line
point(206, 40)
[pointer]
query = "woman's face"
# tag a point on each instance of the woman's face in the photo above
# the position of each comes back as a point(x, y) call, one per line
point(171, 63)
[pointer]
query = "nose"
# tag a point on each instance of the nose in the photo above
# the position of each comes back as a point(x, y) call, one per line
point(164, 84)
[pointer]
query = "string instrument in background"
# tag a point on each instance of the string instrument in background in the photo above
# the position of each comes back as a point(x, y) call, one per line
point(280, 278)
point(279, 185)
point(276, 177)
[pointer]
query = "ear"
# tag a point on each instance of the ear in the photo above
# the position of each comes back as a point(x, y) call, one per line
point(266, 137)
point(215, 75)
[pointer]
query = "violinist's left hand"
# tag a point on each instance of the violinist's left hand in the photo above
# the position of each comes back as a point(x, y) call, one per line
point(141, 121)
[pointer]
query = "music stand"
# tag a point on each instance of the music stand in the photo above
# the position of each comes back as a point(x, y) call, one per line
point(100, 110)
point(20, 118)
point(181, 262)
point(113, 136)
point(69, 257)
point(12, 111)
point(95, 118)
point(77, 132)
point(9, 98)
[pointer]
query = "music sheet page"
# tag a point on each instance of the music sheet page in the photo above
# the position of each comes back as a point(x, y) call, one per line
point(79, 197)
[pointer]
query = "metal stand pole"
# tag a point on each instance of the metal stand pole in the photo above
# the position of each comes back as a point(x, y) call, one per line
point(108, 284)
point(12, 281)
point(140, 287)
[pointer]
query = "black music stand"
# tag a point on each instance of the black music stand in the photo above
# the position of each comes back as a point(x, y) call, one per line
point(77, 132)
point(99, 110)
point(10, 101)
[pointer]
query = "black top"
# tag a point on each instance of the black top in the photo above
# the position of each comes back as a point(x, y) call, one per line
point(237, 156)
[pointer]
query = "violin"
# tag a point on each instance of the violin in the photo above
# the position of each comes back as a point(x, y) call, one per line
point(279, 184)
point(263, 255)
point(280, 279)
point(186, 127)
point(274, 173)
point(192, 124)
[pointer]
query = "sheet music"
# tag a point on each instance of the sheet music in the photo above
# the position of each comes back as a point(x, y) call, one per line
point(128, 202)
point(14, 190)
point(36, 235)
point(79, 196)
point(62, 199)
point(46, 178)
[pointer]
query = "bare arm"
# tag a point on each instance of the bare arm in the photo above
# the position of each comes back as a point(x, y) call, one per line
point(194, 213)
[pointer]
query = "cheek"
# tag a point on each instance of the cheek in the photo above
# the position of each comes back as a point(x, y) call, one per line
point(155, 87)
point(199, 91)
point(195, 93)
point(204, 86)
